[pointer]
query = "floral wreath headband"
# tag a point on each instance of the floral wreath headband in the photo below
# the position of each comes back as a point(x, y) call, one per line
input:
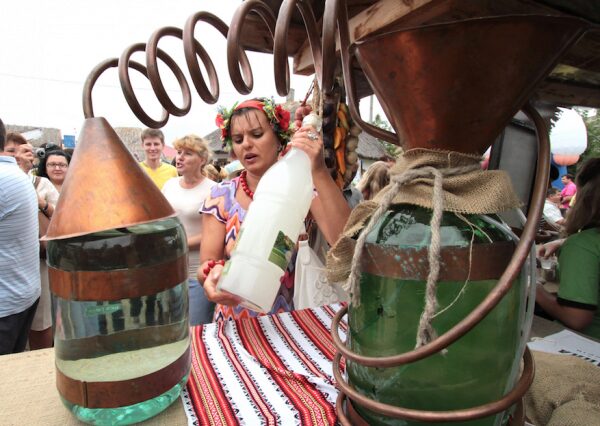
point(278, 117)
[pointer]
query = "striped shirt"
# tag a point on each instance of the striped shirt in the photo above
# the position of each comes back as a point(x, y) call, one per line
point(19, 244)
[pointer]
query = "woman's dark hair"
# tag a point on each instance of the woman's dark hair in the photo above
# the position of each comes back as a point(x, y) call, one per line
point(42, 170)
point(586, 211)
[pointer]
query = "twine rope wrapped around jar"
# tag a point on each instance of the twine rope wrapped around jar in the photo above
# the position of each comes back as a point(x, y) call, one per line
point(432, 179)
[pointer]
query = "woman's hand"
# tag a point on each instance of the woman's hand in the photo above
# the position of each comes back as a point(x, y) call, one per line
point(309, 140)
point(210, 286)
point(45, 207)
point(548, 249)
point(41, 202)
point(25, 157)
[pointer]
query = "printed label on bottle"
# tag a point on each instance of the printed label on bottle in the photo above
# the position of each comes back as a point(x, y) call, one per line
point(92, 311)
point(281, 253)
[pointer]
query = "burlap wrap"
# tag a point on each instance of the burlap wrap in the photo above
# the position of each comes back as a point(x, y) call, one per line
point(565, 392)
point(474, 192)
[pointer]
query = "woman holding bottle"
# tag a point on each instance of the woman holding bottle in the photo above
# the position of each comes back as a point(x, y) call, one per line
point(257, 131)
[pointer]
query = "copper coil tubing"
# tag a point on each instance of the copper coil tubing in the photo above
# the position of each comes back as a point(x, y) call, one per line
point(514, 397)
point(240, 71)
point(346, 391)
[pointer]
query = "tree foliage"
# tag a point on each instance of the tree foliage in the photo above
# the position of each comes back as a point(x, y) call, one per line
point(391, 149)
point(592, 123)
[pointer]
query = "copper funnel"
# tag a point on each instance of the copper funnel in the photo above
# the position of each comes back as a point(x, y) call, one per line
point(104, 187)
point(455, 86)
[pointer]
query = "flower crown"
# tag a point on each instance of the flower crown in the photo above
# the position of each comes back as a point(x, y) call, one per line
point(278, 117)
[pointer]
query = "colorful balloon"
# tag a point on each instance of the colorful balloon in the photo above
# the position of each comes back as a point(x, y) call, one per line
point(568, 137)
point(565, 159)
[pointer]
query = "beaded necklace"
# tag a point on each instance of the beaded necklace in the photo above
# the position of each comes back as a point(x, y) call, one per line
point(245, 187)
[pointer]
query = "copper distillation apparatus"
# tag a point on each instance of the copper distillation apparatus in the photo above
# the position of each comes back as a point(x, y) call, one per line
point(440, 88)
point(443, 89)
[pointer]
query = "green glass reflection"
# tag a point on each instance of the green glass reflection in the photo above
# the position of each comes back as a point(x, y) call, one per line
point(127, 415)
point(101, 327)
point(477, 369)
point(124, 248)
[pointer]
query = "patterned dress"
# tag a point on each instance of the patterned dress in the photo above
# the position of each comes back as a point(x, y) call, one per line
point(222, 204)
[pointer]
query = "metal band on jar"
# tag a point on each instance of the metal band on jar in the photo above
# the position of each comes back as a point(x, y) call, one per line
point(117, 284)
point(124, 392)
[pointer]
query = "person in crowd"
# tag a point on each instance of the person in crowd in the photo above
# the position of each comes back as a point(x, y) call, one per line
point(576, 305)
point(40, 335)
point(26, 159)
point(315, 237)
point(47, 193)
point(257, 131)
point(212, 173)
point(54, 167)
point(568, 192)
point(19, 264)
point(233, 169)
point(222, 174)
point(552, 215)
point(21, 150)
point(186, 194)
point(153, 144)
point(11, 143)
point(351, 193)
point(374, 180)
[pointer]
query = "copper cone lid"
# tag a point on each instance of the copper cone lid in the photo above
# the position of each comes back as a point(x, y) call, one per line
point(455, 86)
point(104, 188)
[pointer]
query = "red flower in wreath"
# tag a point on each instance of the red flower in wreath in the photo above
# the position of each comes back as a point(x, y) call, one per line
point(224, 134)
point(283, 117)
point(220, 121)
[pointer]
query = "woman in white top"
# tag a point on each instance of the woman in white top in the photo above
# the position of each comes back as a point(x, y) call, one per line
point(40, 336)
point(186, 194)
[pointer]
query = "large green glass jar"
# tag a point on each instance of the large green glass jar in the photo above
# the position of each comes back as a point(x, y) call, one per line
point(120, 300)
point(480, 367)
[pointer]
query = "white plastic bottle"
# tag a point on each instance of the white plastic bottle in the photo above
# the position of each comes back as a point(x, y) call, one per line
point(269, 232)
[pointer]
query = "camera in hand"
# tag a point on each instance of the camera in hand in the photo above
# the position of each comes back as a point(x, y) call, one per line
point(44, 150)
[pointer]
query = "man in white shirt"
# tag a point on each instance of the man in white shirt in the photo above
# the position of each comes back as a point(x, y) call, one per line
point(552, 214)
point(19, 257)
